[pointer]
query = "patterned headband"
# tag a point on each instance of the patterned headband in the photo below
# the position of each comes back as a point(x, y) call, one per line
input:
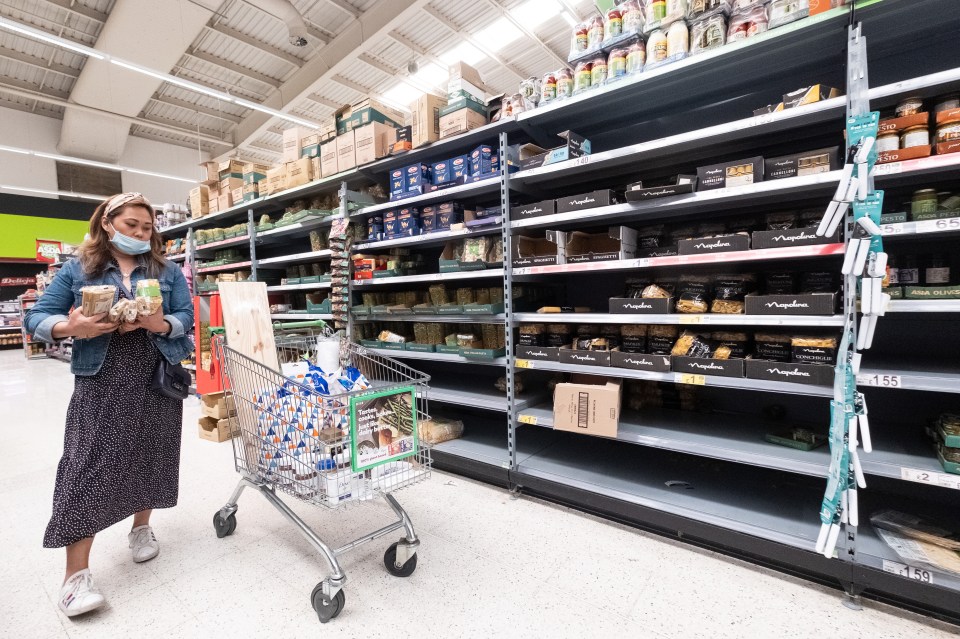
point(125, 198)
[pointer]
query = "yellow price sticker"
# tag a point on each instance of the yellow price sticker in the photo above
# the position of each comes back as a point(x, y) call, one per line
point(691, 319)
point(689, 378)
point(528, 419)
point(523, 363)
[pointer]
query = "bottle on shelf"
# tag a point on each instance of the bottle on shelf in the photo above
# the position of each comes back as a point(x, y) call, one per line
point(937, 272)
point(909, 271)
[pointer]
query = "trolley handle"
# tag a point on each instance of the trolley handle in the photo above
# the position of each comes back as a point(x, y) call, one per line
point(290, 326)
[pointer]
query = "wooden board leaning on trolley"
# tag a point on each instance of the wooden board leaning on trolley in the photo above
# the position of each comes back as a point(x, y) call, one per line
point(246, 321)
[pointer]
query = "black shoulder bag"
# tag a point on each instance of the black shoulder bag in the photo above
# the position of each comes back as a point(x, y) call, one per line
point(170, 380)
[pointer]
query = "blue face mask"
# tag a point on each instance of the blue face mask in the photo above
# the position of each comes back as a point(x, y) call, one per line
point(127, 244)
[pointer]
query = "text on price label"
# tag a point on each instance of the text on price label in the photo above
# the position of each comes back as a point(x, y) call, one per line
point(690, 378)
point(527, 419)
point(917, 574)
point(523, 363)
point(938, 226)
point(933, 478)
point(883, 381)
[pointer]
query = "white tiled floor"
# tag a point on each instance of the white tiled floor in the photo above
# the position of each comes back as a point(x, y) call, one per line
point(488, 564)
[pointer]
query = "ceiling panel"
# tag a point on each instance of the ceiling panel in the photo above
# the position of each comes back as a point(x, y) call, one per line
point(52, 18)
point(323, 14)
point(26, 104)
point(209, 102)
point(237, 52)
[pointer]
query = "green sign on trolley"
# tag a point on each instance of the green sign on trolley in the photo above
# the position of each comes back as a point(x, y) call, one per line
point(383, 427)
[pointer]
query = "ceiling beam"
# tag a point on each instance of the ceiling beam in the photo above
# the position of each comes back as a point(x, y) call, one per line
point(350, 84)
point(39, 63)
point(239, 36)
point(319, 99)
point(528, 32)
point(416, 48)
point(399, 74)
point(49, 99)
point(175, 126)
point(193, 52)
point(7, 103)
point(197, 108)
point(312, 29)
point(349, 9)
point(79, 9)
point(354, 39)
point(17, 87)
point(157, 137)
point(436, 15)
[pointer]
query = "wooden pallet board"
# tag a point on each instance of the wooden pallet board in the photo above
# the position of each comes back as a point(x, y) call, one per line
point(246, 320)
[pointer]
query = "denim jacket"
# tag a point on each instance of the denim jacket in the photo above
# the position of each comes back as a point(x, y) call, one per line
point(89, 354)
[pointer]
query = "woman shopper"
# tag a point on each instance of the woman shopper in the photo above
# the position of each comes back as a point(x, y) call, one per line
point(121, 452)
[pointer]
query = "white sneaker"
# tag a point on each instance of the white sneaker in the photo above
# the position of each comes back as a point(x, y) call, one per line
point(79, 595)
point(144, 544)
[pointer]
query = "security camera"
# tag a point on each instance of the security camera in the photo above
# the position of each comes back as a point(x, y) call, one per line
point(298, 36)
point(412, 67)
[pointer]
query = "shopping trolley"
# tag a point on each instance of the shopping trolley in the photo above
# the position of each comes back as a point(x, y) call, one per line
point(290, 438)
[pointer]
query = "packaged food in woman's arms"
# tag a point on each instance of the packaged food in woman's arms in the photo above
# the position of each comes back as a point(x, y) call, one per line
point(123, 311)
point(97, 299)
point(149, 298)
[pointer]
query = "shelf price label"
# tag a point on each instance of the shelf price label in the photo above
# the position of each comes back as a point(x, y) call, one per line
point(891, 229)
point(917, 574)
point(527, 419)
point(890, 168)
point(690, 378)
point(691, 319)
point(523, 363)
point(580, 161)
point(880, 381)
point(932, 478)
point(938, 226)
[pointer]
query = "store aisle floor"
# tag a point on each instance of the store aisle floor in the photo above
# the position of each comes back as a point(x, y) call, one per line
point(490, 565)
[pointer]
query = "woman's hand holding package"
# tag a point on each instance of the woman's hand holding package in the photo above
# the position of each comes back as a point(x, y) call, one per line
point(153, 323)
point(83, 327)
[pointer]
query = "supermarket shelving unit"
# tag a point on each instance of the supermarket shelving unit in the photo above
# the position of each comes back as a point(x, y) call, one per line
point(708, 476)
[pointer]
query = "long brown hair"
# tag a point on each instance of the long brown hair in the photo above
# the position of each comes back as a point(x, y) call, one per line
point(95, 254)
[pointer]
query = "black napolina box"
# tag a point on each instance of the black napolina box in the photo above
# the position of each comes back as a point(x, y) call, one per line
point(604, 197)
point(536, 209)
point(720, 244)
point(657, 305)
point(729, 174)
point(815, 374)
point(585, 358)
point(541, 353)
point(706, 366)
point(802, 304)
point(640, 362)
point(792, 237)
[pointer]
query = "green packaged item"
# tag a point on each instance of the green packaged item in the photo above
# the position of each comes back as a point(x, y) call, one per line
point(931, 292)
point(798, 438)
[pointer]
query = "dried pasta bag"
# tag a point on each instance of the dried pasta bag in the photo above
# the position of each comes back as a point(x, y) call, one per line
point(118, 312)
point(654, 291)
point(773, 347)
point(660, 339)
point(693, 295)
point(149, 298)
point(475, 249)
point(559, 335)
point(814, 350)
point(650, 237)
point(532, 335)
point(737, 343)
point(586, 334)
point(465, 296)
point(389, 336)
point(611, 333)
point(437, 430)
point(469, 340)
point(97, 299)
point(633, 338)
point(438, 294)
point(780, 221)
point(728, 294)
point(489, 332)
point(635, 286)
point(693, 345)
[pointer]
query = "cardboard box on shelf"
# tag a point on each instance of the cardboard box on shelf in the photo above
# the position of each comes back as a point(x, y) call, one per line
point(539, 251)
point(199, 201)
point(799, 164)
point(215, 430)
point(809, 95)
point(729, 174)
point(224, 200)
point(425, 125)
point(346, 151)
point(299, 173)
point(801, 304)
point(464, 79)
point(275, 180)
point(792, 237)
point(251, 191)
point(310, 151)
point(328, 129)
point(229, 184)
point(404, 140)
point(230, 169)
point(464, 102)
point(213, 206)
point(719, 244)
point(254, 172)
point(236, 195)
point(317, 171)
point(367, 111)
point(309, 140)
point(531, 156)
point(328, 158)
point(534, 209)
point(218, 405)
point(373, 141)
point(293, 142)
point(618, 243)
point(460, 122)
point(211, 172)
point(588, 405)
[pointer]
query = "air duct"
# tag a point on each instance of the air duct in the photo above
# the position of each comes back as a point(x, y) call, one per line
point(284, 10)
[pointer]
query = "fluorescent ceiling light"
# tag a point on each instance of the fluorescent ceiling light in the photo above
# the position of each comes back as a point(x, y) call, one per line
point(99, 165)
point(432, 74)
point(499, 34)
point(172, 79)
point(535, 12)
point(463, 52)
point(569, 18)
point(37, 34)
point(85, 196)
point(402, 94)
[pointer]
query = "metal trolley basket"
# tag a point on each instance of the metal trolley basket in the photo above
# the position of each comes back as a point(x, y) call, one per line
point(291, 439)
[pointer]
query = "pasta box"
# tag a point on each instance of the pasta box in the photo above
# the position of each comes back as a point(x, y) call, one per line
point(707, 366)
point(540, 353)
point(450, 170)
point(448, 213)
point(792, 237)
point(603, 197)
point(618, 243)
point(815, 374)
point(720, 244)
point(536, 209)
point(584, 358)
point(484, 160)
point(802, 304)
point(416, 175)
point(640, 362)
point(682, 185)
point(652, 305)
point(798, 164)
point(398, 182)
point(730, 174)
point(574, 146)
point(539, 251)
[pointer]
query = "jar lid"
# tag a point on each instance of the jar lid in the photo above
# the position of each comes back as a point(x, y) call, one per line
point(911, 129)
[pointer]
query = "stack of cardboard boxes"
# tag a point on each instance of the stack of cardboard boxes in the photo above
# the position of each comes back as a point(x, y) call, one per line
point(227, 184)
point(466, 107)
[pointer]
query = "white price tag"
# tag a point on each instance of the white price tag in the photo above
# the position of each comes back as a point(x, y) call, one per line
point(766, 118)
point(890, 168)
point(580, 161)
point(891, 229)
point(917, 574)
point(881, 381)
point(938, 226)
point(944, 480)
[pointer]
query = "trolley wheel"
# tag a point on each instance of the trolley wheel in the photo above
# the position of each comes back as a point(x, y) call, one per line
point(327, 608)
point(390, 561)
point(224, 527)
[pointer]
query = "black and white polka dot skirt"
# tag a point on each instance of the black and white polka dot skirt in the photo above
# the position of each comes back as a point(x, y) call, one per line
point(121, 449)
